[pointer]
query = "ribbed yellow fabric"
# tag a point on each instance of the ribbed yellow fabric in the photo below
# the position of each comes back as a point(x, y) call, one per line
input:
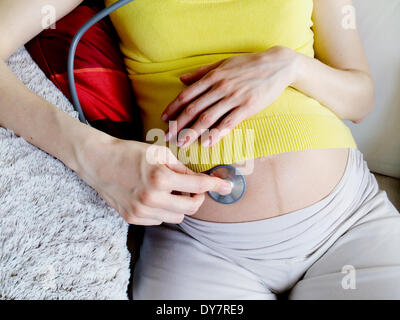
point(164, 39)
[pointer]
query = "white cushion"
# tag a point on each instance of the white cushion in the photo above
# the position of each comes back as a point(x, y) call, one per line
point(378, 137)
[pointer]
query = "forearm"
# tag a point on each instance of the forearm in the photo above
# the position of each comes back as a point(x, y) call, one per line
point(40, 123)
point(348, 93)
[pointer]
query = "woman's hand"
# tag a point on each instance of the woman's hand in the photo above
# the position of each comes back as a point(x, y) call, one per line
point(138, 181)
point(229, 92)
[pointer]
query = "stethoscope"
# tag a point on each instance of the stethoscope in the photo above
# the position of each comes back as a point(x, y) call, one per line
point(226, 172)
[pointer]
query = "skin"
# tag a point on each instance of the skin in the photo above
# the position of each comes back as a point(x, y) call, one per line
point(141, 190)
point(339, 78)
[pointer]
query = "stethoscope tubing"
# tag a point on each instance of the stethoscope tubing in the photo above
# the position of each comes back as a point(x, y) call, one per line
point(233, 197)
point(71, 54)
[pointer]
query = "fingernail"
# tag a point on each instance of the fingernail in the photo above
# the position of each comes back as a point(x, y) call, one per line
point(226, 189)
point(180, 143)
point(164, 117)
point(206, 142)
point(183, 141)
point(167, 136)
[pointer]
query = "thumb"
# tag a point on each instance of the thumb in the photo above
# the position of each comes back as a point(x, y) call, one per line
point(215, 184)
point(221, 186)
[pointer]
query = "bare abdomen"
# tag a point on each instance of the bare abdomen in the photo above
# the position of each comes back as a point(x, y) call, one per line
point(280, 184)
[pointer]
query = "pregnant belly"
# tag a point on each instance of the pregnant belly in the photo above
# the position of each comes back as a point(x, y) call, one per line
point(280, 184)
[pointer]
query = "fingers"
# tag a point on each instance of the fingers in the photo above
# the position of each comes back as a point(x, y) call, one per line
point(142, 222)
point(232, 120)
point(185, 97)
point(130, 218)
point(192, 111)
point(205, 121)
point(198, 183)
point(199, 73)
point(150, 207)
point(140, 212)
point(177, 177)
point(179, 167)
point(163, 178)
point(177, 204)
point(190, 93)
point(162, 214)
point(153, 209)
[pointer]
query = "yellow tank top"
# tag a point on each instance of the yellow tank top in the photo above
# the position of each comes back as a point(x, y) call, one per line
point(164, 39)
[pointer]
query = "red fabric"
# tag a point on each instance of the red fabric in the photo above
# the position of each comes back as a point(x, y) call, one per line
point(102, 83)
point(104, 93)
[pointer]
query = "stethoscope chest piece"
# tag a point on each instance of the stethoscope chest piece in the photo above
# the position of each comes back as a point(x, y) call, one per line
point(235, 178)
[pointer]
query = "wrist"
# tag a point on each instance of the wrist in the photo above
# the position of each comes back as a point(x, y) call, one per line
point(298, 69)
point(90, 144)
point(96, 148)
point(291, 62)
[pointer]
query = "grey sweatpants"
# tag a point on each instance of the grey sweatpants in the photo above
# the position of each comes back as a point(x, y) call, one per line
point(346, 246)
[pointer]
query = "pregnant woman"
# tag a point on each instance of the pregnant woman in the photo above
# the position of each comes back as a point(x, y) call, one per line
point(273, 76)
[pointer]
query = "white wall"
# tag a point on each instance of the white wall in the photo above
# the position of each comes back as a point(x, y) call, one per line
point(378, 137)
